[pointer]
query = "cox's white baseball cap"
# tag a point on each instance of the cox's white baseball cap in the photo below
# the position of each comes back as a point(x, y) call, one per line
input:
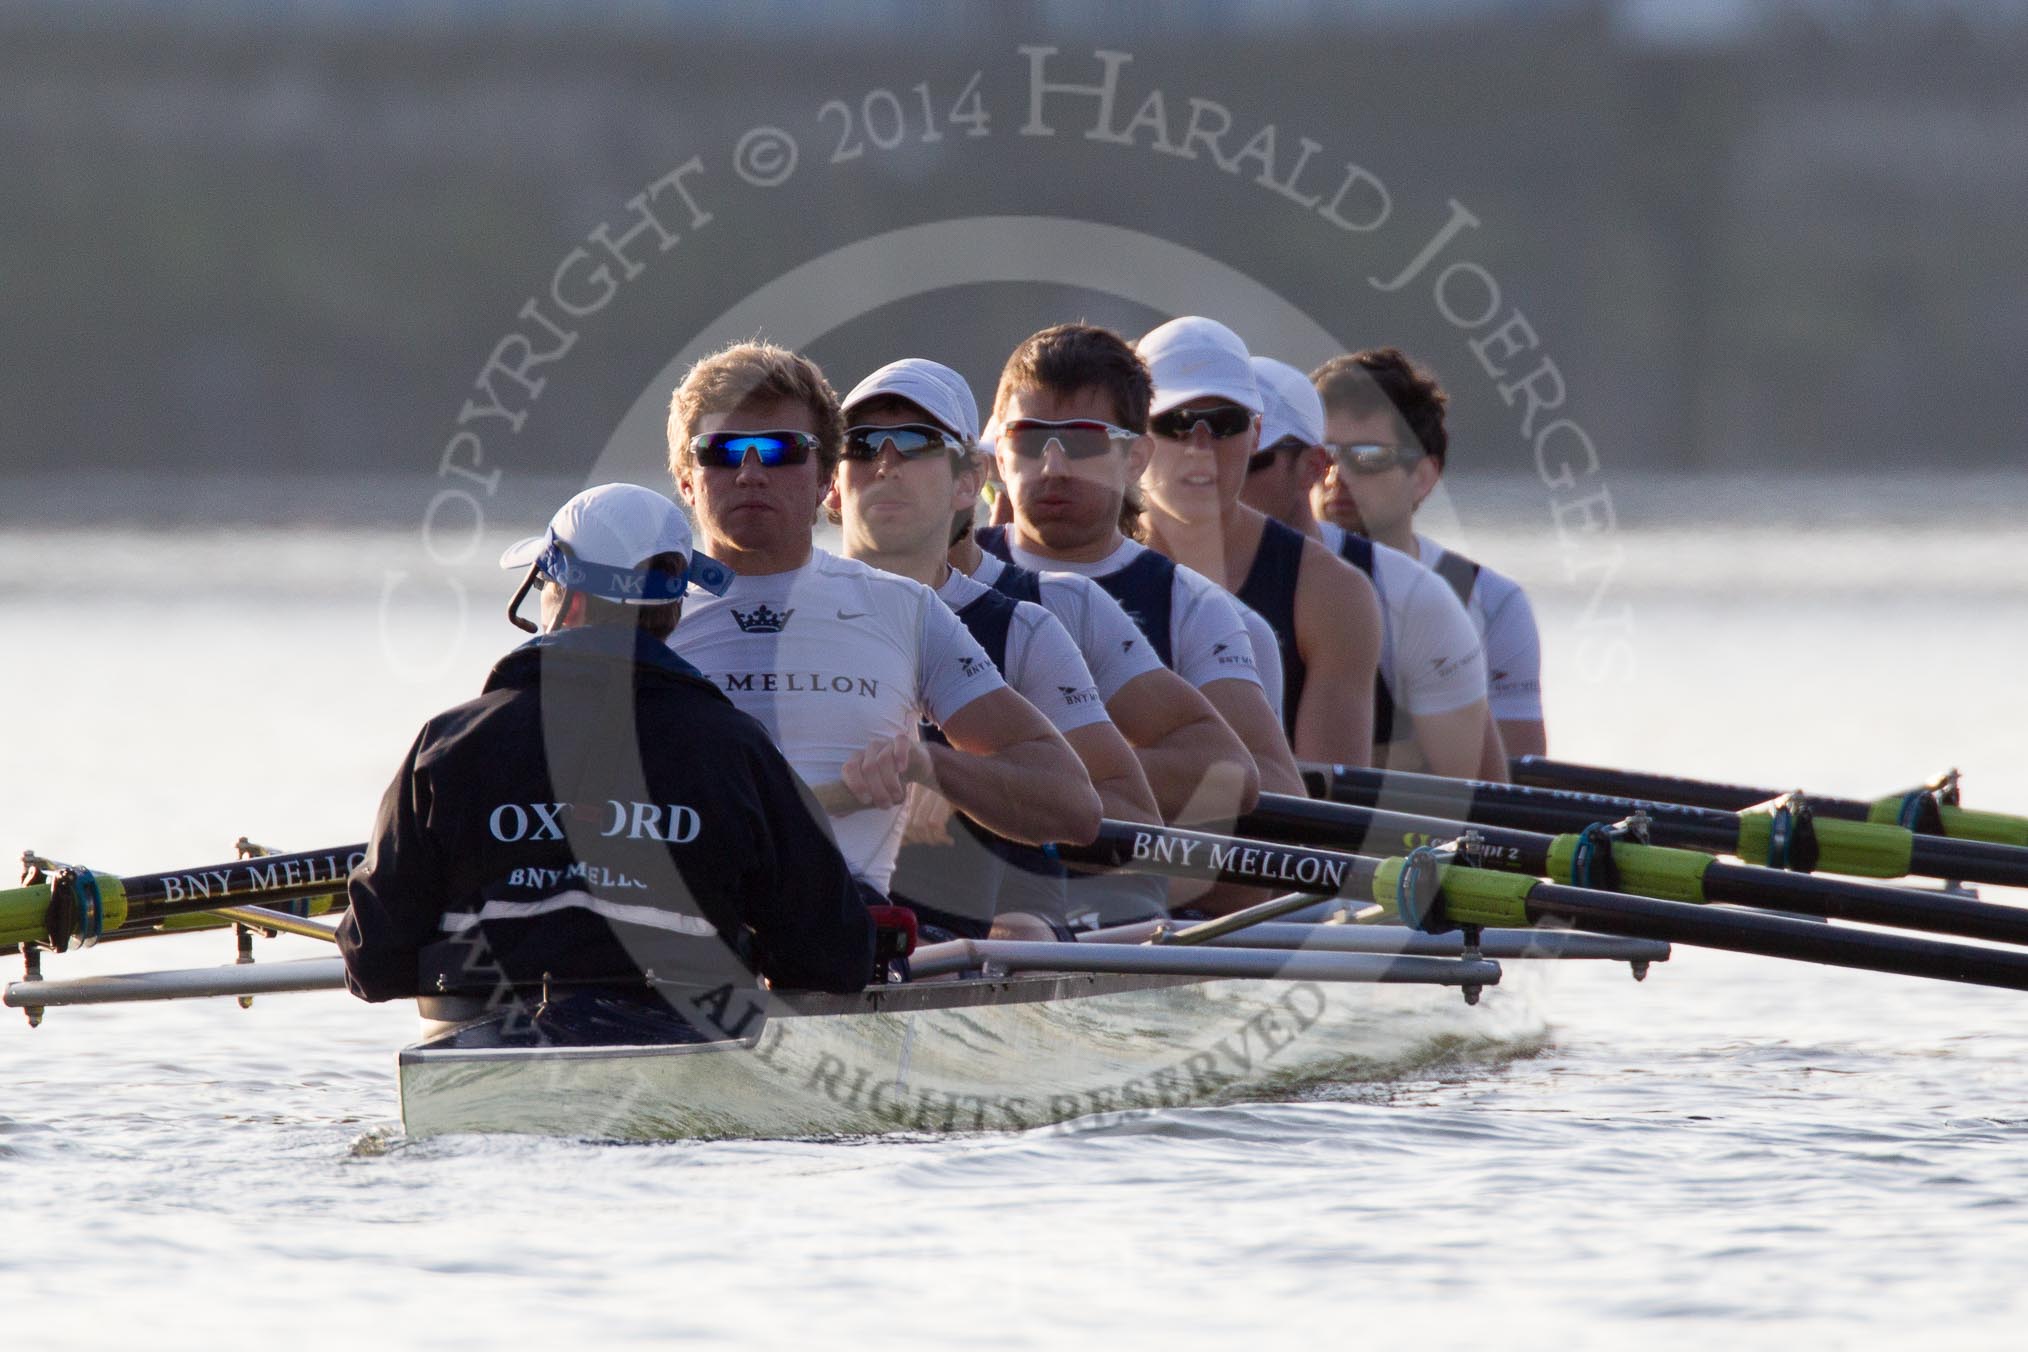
point(1197, 358)
point(612, 530)
point(1293, 408)
point(932, 387)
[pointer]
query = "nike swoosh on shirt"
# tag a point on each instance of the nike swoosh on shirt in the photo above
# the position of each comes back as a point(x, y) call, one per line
point(853, 614)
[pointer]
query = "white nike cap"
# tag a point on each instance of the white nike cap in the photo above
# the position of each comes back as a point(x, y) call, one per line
point(1293, 406)
point(612, 530)
point(931, 386)
point(1197, 358)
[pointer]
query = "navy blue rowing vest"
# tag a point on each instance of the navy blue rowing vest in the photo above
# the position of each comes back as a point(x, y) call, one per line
point(1460, 572)
point(1145, 588)
point(1270, 588)
point(958, 886)
point(1357, 550)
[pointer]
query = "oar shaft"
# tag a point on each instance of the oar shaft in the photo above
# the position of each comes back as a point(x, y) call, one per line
point(1543, 772)
point(1868, 849)
point(1776, 937)
point(1529, 809)
point(1865, 903)
point(1177, 853)
point(1365, 830)
point(1975, 861)
point(1341, 825)
point(1457, 893)
point(263, 880)
point(1930, 809)
point(78, 906)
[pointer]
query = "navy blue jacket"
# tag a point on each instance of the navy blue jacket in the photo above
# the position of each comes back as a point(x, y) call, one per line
point(601, 811)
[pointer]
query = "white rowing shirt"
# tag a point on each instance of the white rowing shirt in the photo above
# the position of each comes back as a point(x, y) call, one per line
point(1506, 624)
point(1106, 636)
point(1208, 638)
point(1430, 653)
point(1042, 665)
point(1267, 655)
point(830, 657)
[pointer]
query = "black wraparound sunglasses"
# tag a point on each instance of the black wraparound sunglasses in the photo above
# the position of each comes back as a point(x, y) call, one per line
point(1227, 420)
point(911, 441)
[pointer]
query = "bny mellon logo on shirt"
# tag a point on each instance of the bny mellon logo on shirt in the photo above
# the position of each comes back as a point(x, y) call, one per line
point(761, 620)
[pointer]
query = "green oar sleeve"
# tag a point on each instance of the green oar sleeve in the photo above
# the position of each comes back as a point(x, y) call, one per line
point(24, 911)
point(1471, 896)
point(1645, 870)
point(1997, 828)
point(1857, 849)
point(24, 914)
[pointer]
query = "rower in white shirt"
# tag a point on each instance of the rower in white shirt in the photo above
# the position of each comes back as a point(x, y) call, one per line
point(910, 467)
point(842, 663)
point(1207, 421)
point(1072, 413)
point(1386, 416)
point(1430, 710)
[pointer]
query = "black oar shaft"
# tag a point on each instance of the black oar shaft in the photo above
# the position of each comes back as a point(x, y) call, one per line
point(1543, 772)
point(1557, 810)
point(1367, 830)
point(1775, 937)
point(1480, 896)
point(267, 878)
point(1865, 903)
point(1975, 861)
point(1178, 853)
point(1529, 809)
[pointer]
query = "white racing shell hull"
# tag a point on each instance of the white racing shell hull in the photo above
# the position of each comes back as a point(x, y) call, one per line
point(980, 1055)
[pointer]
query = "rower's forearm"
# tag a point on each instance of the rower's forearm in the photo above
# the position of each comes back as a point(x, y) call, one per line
point(1035, 792)
point(1278, 770)
point(1524, 737)
point(1125, 798)
point(1192, 756)
point(1493, 755)
point(1334, 730)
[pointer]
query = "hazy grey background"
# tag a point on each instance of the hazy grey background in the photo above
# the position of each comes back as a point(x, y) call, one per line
point(272, 239)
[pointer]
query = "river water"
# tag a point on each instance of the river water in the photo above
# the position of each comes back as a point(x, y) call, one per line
point(1757, 1153)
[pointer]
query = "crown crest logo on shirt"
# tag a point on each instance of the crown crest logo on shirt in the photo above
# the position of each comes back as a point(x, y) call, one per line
point(761, 620)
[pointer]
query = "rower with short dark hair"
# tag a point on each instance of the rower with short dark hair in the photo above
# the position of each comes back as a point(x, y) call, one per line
point(1429, 699)
point(601, 822)
point(1072, 420)
point(1386, 415)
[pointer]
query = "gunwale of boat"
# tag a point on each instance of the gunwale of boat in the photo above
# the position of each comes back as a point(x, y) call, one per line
point(898, 998)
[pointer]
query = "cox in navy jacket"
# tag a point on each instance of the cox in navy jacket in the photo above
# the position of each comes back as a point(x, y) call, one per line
point(600, 811)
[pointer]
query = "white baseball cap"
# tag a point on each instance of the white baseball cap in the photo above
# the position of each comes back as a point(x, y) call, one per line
point(612, 530)
point(1197, 358)
point(1293, 406)
point(931, 386)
